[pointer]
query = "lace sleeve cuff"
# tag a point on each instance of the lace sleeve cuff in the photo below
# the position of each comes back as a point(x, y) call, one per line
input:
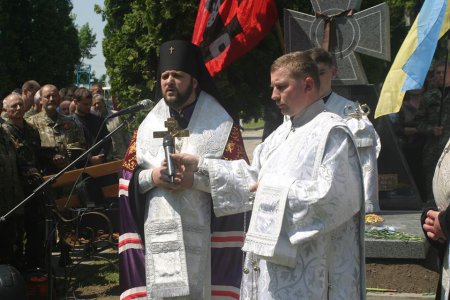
point(145, 181)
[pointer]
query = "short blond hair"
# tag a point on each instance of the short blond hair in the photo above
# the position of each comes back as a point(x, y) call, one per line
point(299, 65)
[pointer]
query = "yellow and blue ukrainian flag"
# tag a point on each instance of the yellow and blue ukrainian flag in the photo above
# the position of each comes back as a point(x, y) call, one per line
point(413, 60)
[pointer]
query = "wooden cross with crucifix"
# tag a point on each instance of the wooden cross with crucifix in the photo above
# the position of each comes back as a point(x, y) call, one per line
point(169, 142)
point(172, 128)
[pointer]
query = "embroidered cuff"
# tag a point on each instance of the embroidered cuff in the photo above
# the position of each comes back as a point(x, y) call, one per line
point(202, 167)
point(145, 181)
point(201, 183)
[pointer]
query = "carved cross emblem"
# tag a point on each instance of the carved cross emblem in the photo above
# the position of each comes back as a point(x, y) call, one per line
point(171, 50)
point(172, 128)
point(350, 32)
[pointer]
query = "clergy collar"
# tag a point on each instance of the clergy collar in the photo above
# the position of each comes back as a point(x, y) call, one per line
point(308, 114)
point(325, 98)
point(184, 115)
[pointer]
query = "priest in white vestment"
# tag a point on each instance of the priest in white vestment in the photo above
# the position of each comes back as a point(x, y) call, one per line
point(364, 134)
point(305, 239)
point(179, 220)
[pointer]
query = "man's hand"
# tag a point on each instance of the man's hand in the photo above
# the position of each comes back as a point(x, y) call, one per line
point(253, 187)
point(186, 162)
point(433, 227)
point(59, 161)
point(161, 178)
point(96, 159)
point(187, 180)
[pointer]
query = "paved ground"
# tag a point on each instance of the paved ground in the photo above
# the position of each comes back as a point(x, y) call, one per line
point(252, 138)
point(397, 296)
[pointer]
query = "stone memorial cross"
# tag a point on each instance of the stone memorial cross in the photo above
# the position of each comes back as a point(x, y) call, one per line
point(344, 32)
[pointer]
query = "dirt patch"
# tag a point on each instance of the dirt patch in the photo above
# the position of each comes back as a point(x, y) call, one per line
point(99, 292)
point(409, 277)
point(403, 276)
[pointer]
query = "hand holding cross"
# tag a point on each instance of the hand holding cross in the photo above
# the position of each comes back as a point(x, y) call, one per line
point(169, 144)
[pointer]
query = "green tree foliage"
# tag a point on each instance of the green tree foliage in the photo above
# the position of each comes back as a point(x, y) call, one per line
point(55, 42)
point(38, 41)
point(136, 28)
point(87, 40)
point(13, 27)
point(133, 33)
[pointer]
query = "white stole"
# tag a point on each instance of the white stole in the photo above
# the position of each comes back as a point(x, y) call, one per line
point(265, 237)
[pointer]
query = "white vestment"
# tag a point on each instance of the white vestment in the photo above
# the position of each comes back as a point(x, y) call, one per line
point(441, 192)
point(305, 239)
point(368, 144)
point(177, 225)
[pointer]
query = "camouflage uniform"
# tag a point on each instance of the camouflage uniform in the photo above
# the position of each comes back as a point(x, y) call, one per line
point(11, 194)
point(10, 188)
point(27, 143)
point(428, 117)
point(61, 136)
point(31, 112)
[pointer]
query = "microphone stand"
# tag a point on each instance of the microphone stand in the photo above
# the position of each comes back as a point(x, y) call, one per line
point(50, 203)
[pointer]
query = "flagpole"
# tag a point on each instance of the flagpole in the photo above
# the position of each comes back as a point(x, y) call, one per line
point(445, 79)
point(280, 35)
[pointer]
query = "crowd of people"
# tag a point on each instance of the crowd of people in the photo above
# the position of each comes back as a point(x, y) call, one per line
point(288, 225)
point(40, 135)
point(422, 127)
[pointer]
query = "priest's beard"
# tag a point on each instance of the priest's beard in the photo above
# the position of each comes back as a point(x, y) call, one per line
point(179, 101)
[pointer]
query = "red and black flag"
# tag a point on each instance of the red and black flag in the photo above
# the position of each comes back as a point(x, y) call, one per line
point(227, 29)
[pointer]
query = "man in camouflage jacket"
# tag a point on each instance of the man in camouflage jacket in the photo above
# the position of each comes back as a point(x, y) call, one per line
point(61, 139)
point(11, 194)
point(27, 144)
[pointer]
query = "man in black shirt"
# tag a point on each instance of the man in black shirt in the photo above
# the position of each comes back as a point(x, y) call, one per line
point(93, 126)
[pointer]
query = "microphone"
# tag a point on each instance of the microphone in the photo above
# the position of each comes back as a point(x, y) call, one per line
point(169, 148)
point(147, 103)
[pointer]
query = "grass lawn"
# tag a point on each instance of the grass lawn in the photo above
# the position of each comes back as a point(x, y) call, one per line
point(254, 124)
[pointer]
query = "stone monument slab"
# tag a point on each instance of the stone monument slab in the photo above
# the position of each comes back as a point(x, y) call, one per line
point(401, 221)
point(335, 6)
point(365, 32)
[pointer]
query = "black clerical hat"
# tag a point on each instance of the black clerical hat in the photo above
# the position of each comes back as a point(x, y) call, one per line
point(184, 56)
